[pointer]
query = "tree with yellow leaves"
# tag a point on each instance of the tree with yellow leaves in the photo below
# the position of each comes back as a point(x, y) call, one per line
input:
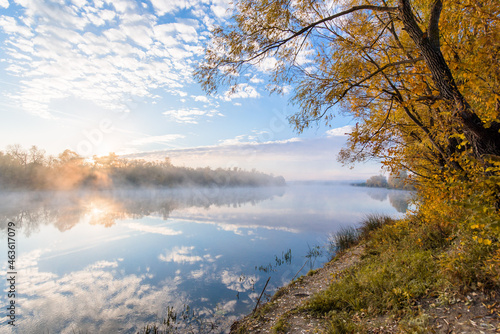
point(420, 78)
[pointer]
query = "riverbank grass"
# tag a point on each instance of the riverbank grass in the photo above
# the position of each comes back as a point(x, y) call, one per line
point(405, 262)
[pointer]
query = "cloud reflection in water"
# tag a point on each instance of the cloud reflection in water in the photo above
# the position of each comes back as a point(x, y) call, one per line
point(114, 261)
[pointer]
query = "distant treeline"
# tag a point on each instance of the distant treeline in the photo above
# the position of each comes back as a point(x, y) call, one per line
point(397, 180)
point(32, 169)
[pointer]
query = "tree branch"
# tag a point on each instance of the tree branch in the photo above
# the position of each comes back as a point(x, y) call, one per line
point(410, 24)
point(484, 139)
point(379, 69)
point(431, 98)
point(413, 116)
point(376, 132)
point(314, 24)
point(433, 29)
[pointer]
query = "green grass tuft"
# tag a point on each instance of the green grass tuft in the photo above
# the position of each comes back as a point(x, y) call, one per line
point(344, 239)
point(281, 326)
point(373, 222)
point(341, 323)
point(398, 272)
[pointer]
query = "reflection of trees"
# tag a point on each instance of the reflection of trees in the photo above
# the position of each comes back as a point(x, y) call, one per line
point(66, 209)
point(399, 199)
point(378, 194)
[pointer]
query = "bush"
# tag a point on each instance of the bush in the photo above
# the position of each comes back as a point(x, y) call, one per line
point(471, 265)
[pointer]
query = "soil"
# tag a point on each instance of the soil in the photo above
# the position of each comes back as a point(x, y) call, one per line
point(475, 312)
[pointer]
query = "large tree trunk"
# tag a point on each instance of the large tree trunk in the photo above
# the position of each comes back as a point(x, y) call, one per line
point(483, 140)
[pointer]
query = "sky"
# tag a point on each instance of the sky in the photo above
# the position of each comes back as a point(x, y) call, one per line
point(116, 76)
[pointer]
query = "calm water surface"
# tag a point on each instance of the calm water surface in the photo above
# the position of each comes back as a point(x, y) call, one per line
point(113, 262)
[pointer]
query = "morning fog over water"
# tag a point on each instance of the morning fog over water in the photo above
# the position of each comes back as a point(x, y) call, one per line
point(116, 261)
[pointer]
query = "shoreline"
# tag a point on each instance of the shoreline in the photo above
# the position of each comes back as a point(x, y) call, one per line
point(286, 312)
point(285, 304)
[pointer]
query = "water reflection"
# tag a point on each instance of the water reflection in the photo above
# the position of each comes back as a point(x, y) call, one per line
point(399, 199)
point(66, 209)
point(115, 261)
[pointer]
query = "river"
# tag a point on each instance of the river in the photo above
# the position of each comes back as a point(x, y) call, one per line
point(117, 261)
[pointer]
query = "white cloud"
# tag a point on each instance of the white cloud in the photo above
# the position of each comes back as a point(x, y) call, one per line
point(267, 64)
point(103, 54)
point(104, 264)
point(165, 33)
point(237, 282)
point(179, 92)
point(281, 89)
point(153, 229)
point(4, 3)
point(163, 7)
point(79, 3)
point(238, 140)
point(229, 306)
point(221, 8)
point(262, 137)
point(180, 255)
point(303, 56)
point(197, 274)
point(293, 158)
point(190, 115)
point(115, 35)
point(122, 5)
point(10, 26)
point(185, 32)
point(241, 91)
point(96, 298)
point(200, 98)
point(342, 131)
point(157, 139)
point(256, 80)
point(140, 34)
point(99, 19)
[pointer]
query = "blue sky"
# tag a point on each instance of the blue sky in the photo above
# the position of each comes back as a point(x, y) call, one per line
point(116, 76)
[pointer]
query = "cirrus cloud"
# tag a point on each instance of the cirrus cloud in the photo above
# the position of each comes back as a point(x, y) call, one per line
point(157, 139)
point(190, 115)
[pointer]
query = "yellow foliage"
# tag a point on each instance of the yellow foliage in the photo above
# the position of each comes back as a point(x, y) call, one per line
point(370, 61)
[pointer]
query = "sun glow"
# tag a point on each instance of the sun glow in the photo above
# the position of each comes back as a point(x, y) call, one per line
point(96, 211)
point(102, 211)
point(89, 161)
